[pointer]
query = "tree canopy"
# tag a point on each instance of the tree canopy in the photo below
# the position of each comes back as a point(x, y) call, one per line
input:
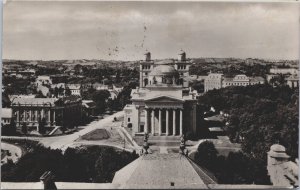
point(259, 116)
point(88, 164)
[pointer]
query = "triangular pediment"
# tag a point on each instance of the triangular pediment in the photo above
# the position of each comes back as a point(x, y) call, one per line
point(163, 99)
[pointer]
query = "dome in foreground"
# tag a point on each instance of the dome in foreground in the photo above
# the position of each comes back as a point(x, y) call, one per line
point(278, 148)
point(163, 70)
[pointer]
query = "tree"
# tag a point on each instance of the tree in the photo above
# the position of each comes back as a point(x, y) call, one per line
point(5, 100)
point(206, 155)
point(24, 128)
point(68, 91)
point(9, 129)
point(100, 97)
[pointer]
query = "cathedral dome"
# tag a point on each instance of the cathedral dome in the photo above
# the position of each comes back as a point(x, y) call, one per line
point(163, 70)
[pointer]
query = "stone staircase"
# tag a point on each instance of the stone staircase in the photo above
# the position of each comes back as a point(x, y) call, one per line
point(159, 140)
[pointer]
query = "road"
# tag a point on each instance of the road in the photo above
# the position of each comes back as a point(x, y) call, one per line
point(63, 142)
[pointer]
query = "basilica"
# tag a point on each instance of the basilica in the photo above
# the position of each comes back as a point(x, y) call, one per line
point(163, 104)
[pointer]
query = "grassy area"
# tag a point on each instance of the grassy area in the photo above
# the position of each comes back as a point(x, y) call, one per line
point(98, 134)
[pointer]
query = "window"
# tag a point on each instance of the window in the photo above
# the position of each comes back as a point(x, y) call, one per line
point(141, 128)
point(128, 119)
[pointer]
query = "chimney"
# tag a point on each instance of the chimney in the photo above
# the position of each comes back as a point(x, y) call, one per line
point(48, 180)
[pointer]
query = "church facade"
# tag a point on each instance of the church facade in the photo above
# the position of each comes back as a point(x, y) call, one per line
point(162, 105)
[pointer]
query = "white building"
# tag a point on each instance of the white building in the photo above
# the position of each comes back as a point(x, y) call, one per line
point(43, 80)
point(292, 81)
point(284, 71)
point(162, 105)
point(75, 89)
point(6, 116)
point(213, 81)
point(217, 81)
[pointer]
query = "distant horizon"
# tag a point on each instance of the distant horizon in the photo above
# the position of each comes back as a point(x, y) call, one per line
point(266, 59)
point(123, 31)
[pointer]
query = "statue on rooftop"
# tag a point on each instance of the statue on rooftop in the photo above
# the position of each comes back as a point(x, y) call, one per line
point(182, 144)
point(146, 145)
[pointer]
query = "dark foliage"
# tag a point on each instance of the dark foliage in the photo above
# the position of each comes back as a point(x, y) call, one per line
point(259, 116)
point(90, 164)
point(237, 168)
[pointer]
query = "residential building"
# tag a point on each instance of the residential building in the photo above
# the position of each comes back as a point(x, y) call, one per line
point(284, 71)
point(162, 104)
point(292, 81)
point(217, 81)
point(43, 80)
point(6, 116)
point(213, 81)
point(88, 108)
point(75, 89)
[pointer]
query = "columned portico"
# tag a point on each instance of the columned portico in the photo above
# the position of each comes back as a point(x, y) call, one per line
point(169, 121)
point(162, 105)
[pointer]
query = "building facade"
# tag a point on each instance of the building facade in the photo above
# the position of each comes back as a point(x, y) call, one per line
point(43, 80)
point(162, 105)
point(75, 89)
point(284, 71)
point(6, 116)
point(56, 111)
point(293, 81)
point(217, 81)
point(213, 81)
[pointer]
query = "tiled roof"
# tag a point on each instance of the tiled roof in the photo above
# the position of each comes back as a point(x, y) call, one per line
point(160, 171)
point(35, 101)
point(74, 86)
point(6, 113)
point(293, 77)
point(257, 79)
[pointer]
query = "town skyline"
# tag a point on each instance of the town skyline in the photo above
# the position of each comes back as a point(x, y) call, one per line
point(125, 30)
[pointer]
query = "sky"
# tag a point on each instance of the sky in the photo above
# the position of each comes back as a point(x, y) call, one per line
point(48, 30)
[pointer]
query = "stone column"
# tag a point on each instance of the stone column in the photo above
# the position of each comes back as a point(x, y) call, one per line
point(167, 122)
point(36, 115)
point(152, 121)
point(49, 116)
point(42, 113)
point(159, 123)
point(54, 117)
point(18, 117)
point(24, 116)
point(138, 128)
point(146, 121)
point(180, 122)
point(174, 122)
point(30, 116)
